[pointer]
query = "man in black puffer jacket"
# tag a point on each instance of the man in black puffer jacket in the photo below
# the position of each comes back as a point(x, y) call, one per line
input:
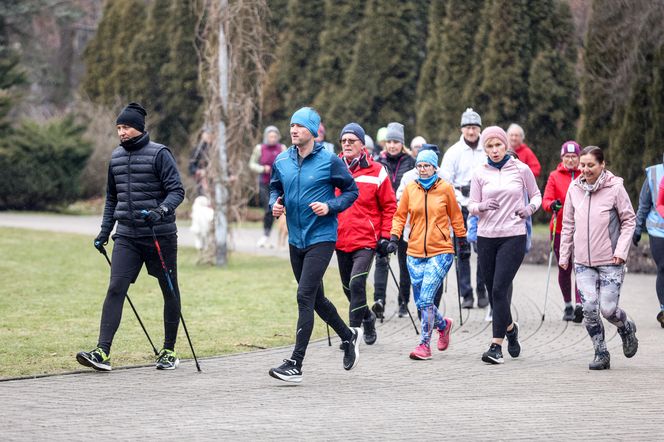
point(142, 177)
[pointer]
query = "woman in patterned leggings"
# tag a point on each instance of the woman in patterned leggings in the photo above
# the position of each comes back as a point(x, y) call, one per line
point(598, 223)
point(431, 204)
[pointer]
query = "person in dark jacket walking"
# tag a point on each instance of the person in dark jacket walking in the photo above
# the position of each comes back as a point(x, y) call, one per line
point(142, 176)
point(397, 160)
point(302, 186)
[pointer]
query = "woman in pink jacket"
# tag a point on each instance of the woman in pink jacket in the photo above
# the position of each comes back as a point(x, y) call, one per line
point(497, 192)
point(598, 223)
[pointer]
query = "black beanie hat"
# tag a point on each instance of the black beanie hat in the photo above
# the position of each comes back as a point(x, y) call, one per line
point(133, 116)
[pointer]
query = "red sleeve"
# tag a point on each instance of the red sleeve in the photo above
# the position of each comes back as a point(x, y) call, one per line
point(387, 204)
point(534, 163)
point(660, 199)
point(549, 192)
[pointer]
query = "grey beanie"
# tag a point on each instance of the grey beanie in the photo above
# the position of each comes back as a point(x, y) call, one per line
point(268, 130)
point(395, 132)
point(470, 118)
point(369, 142)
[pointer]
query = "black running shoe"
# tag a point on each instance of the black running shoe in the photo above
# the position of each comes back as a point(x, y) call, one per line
point(379, 308)
point(494, 355)
point(578, 314)
point(568, 315)
point(403, 310)
point(289, 371)
point(369, 326)
point(167, 360)
point(97, 359)
point(513, 344)
point(482, 300)
point(467, 302)
point(602, 361)
point(660, 318)
point(352, 349)
point(628, 335)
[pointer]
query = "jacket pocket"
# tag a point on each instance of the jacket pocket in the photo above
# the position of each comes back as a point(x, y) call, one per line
point(442, 232)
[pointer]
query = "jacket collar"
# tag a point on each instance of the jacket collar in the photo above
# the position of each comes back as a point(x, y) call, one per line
point(562, 169)
point(136, 143)
point(317, 148)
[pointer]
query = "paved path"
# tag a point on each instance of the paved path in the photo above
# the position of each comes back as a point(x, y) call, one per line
point(546, 393)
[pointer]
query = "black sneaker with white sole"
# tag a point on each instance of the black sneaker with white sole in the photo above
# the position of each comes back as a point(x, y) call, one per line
point(97, 359)
point(494, 355)
point(167, 360)
point(378, 308)
point(369, 326)
point(352, 349)
point(289, 371)
point(513, 344)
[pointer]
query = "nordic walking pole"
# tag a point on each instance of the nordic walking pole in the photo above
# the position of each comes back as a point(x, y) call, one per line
point(548, 272)
point(403, 301)
point(167, 273)
point(329, 341)
point(458, 278)
point(102, 250)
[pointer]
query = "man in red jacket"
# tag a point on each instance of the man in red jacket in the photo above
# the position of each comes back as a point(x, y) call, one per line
point(516, 137)
point(362, 227)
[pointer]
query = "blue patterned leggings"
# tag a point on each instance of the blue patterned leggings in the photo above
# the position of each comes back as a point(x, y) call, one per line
point(426, 275)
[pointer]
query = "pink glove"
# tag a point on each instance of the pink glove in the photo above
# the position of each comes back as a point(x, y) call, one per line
point(490, 204)
point(525, 212)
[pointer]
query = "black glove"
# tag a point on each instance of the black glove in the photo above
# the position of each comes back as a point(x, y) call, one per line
point(465, 190)
point(463, 247)
point(556, 205)
point(100, 241)
point(636, 237)
point(153, 216)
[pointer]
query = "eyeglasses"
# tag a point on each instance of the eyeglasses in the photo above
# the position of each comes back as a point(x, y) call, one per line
point(348, 140)
point(424, 166)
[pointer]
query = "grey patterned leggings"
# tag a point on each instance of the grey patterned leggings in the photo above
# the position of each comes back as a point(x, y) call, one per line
point(600, 291)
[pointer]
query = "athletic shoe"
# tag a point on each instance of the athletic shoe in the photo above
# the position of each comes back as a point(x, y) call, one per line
point(578, 314)
point(569, 313)
point(378, 308)
point(494, 355)
point(660, 318)
point(403, 310)
point(489, 315)
point(467, 302)
point(444, 335)
point(352, 349)
point(289, 371)
point(513, 344)
point(369, 326)
point(167, 360)
point(482, 300)
point(602, 361)
point(628, 335)
point(262, 242)
point(97, 359)
point(421, 353)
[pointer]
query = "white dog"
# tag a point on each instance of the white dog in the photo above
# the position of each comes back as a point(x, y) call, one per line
point(202, 217)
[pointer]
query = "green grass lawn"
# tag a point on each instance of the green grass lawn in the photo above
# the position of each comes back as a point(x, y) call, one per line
point(53, 286)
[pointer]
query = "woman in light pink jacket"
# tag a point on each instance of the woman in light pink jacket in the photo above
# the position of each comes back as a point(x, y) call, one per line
point(498, 192)
point(598, 223)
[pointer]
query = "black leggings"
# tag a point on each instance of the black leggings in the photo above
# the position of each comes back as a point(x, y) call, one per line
point(657, 250)
point(381, 274)
point(354, 268)
point(129, 254)
point(500, 259)
point(264, 197)
point(309, 267)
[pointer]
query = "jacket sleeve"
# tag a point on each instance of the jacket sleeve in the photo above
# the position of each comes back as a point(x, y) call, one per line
point(475, 195)
point(534, 195)
point(387, 204)
point(567, 232)
point(167, 171)
point(454, 212)
point(534, 164)
point(627, 223)
point(342, 180)
point(660, 199)
point(276, 186)
point(448, 165)
point(399, 220)
point(108, 221)
point(645, 205)
point(549, 192)
point(254, 164)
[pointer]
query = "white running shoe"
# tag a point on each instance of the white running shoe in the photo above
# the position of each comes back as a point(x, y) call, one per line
point(489, 315)
point(262, 242)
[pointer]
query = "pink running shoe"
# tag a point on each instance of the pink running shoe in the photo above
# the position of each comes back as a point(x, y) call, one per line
point(421, 352)
point(444, 335)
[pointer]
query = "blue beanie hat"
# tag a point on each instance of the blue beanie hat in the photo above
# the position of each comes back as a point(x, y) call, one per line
point(432, 147)
point(355, 129)
point(427, 156)
point(308, 118)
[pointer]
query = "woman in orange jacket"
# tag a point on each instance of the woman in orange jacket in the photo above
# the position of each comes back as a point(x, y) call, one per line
point(431, 204)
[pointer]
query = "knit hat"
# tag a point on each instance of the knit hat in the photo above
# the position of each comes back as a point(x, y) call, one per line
point(355, 129)
point(570, 147)
point(493, 132)
point(470, 118)
point(369, 142)
point(308, 118)
point(133, 116)
point(431, 147)
point(427, 156)
point(271, 129)
point(381, 135)
point(395, 132)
